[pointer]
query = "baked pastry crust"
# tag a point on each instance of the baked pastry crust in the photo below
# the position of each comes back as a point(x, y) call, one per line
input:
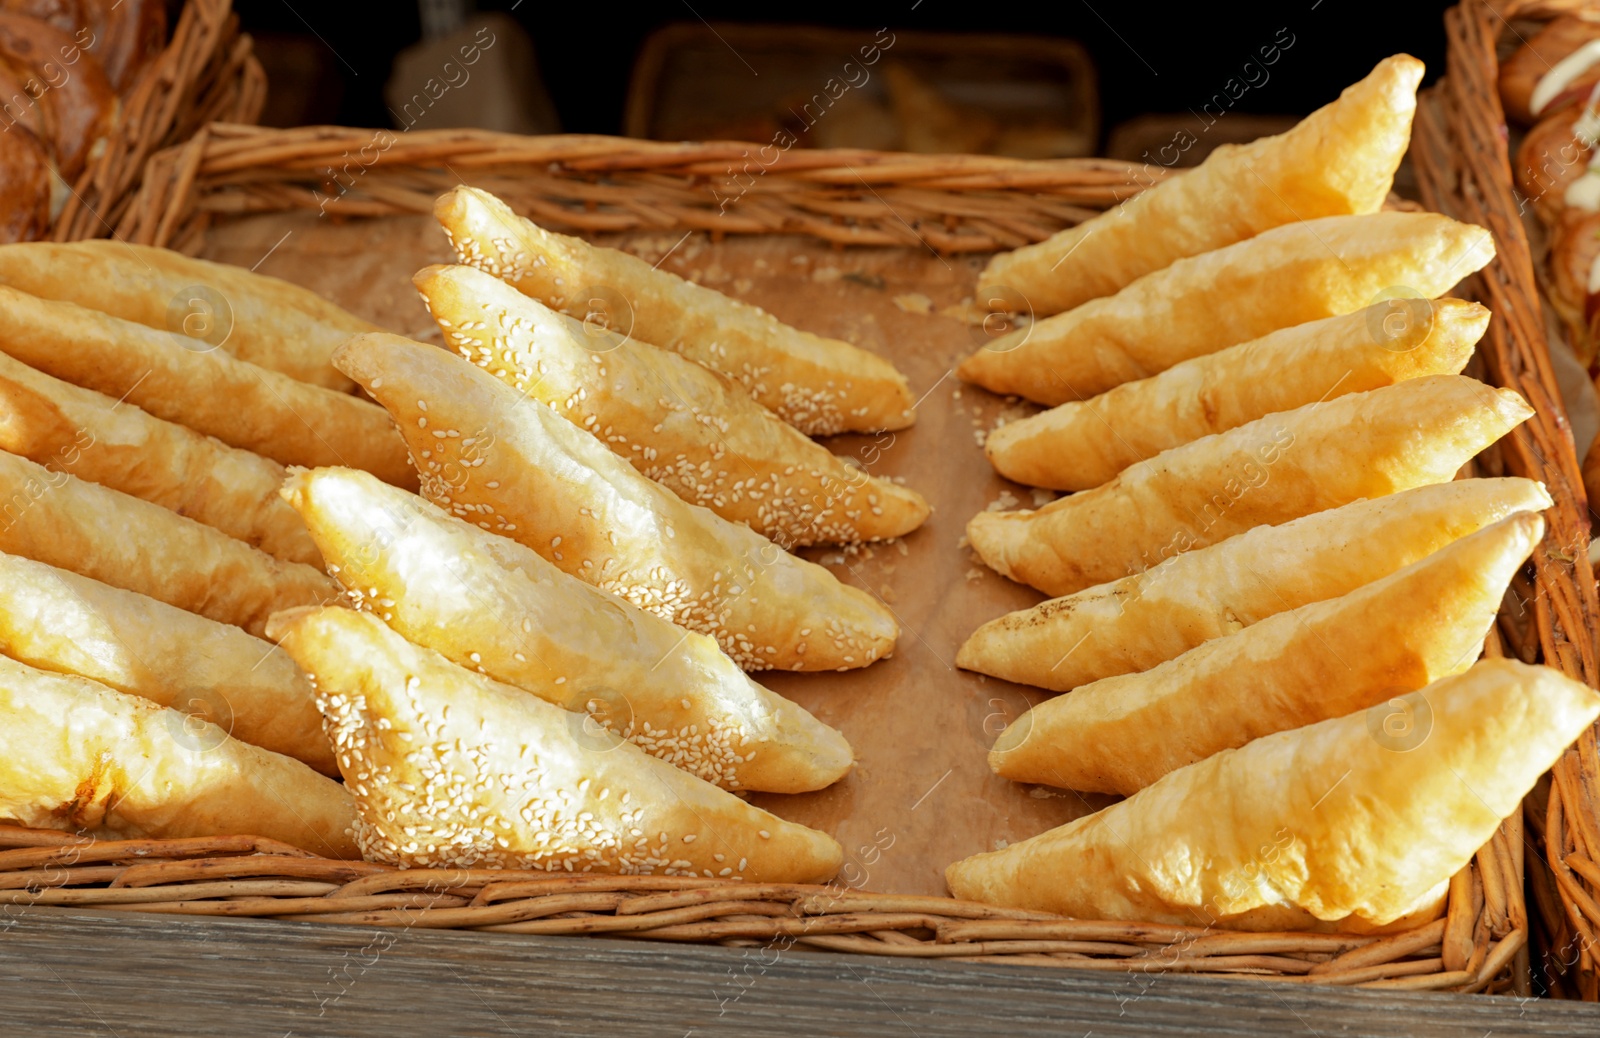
point(1265, 472)
point(514, 467)
point(452, 769)
point(489, 604)
point(1339, 160)
point(1351, 824)
point(818, 385)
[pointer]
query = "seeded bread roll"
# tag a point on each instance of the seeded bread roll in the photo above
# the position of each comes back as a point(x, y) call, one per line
point(684, 426)
point(492, 605)
point(513, 466)
point(818, 385)
point(451, 769)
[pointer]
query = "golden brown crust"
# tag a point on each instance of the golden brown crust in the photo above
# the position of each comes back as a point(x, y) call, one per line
point(24, 180)
point(818, 385)
point(268, 322)
point(1327, 659)
point(77, 101)
point(452, 769)
point(187, 381)
point(1269, 471)
point(1548, 160)
point(1145, 619)
point(1339, 160)
point(1349, 824)
point(79, 756)
point(118, 445)
point(1531, 62)
point(684, 426)
point(488, 603)
point(514, 467)
point(1082, 444)
point(1286, 276)
point(60, 520)
point(59, 621)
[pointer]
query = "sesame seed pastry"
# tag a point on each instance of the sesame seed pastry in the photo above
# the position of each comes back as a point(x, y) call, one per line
point(1268, 471)
point(259, 319)
point(188, 381)
point(453, 769)
point(79, 756)
point(819, 385)
point(1350, 824)
point(1132, 624)
point(120, 446)
point(1084, 443)
point(493, 606)
point(59, 621)
point(61, 520)
point(1322, 660)
point(513, 466)
point(1337, 161)
point(1286, 276)
point(682, 425)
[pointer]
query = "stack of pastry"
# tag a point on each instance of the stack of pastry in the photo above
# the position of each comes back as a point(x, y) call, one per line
point(1269, 592)
point(546, 663)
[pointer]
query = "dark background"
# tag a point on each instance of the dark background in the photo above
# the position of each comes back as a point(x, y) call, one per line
point(1151, 57)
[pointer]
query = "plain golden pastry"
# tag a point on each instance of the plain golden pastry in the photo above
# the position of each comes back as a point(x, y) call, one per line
point(79, 756)
point(1286, 276)
point(1367, 816)
point(1327, 659)
point(59, 621)
point(1338, 161)
point(453, 769)
point(59, 519)
point(118, 445)
point(263, 320)
point(818, 385)
point(491, 605)
point(1268, 471)
point(187, 381)
point(684, 426)
point(514, 467)
point(1084, 443)
point(1147, 618)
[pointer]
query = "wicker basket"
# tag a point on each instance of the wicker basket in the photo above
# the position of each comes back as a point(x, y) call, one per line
point(207, 72)
point(956, 204)
point(1462, 154)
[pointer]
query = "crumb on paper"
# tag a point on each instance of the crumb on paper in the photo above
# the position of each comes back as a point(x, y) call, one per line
point(742, 285)
point(800, 260)
point(887, 594)
point(1004, 503)
point(975, 573)
point(1042, 497)
point(826, 274)
point(979, 436)
point(715, 274)
point(1001, 844)
point(761, 264)
point(962, 543)
point(1044, 793)
point(914, 303)
point(900, 545)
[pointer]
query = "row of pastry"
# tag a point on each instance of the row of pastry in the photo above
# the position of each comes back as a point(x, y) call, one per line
point(1270, 591)
point(545, 665)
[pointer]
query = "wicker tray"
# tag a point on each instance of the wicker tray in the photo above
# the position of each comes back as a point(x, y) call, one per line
point(925, 206)
point(1461, 152)
point(207, 72)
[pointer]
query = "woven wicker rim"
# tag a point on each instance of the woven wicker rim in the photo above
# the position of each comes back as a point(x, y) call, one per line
point(1463, 162)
